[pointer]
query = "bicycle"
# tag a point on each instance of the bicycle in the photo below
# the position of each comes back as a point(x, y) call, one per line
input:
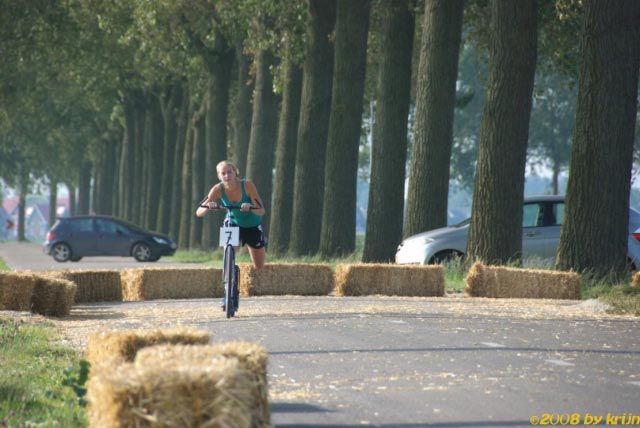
point(229, 239)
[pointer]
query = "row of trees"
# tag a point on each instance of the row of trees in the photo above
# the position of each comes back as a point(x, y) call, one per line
point(134, 102)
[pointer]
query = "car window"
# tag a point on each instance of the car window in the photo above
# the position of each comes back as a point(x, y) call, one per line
point(532, 215)
point(82, 225)
point(105, 226)
point(558, 213)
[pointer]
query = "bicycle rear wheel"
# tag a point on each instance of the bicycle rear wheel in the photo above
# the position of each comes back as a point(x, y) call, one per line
point(229, 274)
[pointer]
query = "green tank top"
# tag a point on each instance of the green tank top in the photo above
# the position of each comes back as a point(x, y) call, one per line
point(240, 218)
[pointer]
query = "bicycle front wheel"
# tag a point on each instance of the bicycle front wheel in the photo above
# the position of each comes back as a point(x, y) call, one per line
point(229, 274)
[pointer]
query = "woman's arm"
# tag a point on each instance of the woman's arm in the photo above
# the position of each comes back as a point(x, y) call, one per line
point(214, 195)
point(252, 192)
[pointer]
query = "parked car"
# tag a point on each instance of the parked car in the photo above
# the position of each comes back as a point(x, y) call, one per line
point(541, 221)
point(72, 238)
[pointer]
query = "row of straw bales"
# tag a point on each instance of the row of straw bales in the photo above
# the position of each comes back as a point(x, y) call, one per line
point(175, 378)
point(93, 285)
point(392, 280)
point(171, 283)
point(506, 282)
point(283, 279)
point(41, 294)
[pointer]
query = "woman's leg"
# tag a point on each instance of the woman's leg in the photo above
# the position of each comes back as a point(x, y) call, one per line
point(257, 256)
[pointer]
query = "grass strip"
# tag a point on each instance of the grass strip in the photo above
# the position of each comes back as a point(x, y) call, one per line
point(31, 380)
point(3, 265)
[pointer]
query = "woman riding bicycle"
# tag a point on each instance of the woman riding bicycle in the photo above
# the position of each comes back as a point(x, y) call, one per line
point(232, 190)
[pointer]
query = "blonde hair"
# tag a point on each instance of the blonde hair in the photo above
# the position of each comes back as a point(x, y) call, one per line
point(224, 163)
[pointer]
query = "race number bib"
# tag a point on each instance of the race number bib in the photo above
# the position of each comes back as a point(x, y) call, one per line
point(229, 236)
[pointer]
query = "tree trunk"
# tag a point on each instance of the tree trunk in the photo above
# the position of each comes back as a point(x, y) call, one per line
point(264, 125)
point(22, 205)
point(115, 195)
point(216, 135)
point(495, 234)
point(176, 194)
point(435, 102)
point(389, 146)
point(338, 236)
point(594, 234)
point(137, 213)
point(104, 175)
point(242, 110)
point(84, 188)
point(73, 206)
point(127, 160)
point(154, 155)
point(555, 187)
point(315, 107)
point(170, 113)
point(198, 154)
point(186, 207)
point(53, 201)
point(280, 226)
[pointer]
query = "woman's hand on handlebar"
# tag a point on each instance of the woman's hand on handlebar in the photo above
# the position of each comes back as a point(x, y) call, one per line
point(246, 207)
point(211, 206)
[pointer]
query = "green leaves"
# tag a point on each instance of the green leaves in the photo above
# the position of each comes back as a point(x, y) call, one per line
point(76, 378)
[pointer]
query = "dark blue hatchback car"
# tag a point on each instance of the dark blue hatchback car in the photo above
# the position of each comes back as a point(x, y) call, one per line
point(72, 238)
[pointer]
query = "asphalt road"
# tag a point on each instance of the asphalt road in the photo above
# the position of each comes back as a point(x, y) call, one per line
point(410, 362)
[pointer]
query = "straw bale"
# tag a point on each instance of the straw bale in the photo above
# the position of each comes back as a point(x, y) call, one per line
point(53, 296)
point(390, 280)
point(171, 393)
point(93, 285)
point(635, 279)
point(171, 283)
point(286, 279)
point(508, 282)
point(122, 346)
point(16, 291)
point(251, 356)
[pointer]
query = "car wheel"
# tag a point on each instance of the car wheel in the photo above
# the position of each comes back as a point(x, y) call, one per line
point(75, 259)
point(142, 252)
point(154, 259)
point(61, 252)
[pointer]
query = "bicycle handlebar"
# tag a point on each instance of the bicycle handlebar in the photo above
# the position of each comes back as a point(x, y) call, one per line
point(227, 207)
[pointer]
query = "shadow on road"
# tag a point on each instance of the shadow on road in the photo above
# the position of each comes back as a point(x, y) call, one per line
point(297, 408)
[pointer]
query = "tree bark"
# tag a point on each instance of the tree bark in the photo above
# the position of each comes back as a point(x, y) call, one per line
point(53, 201)
point(84, 187)
point(594, 234)
point(313, 127)
point(280, 226)
point(198, 155)
point(264, 125)
point(22, 205)
point(435, 101)
point(217, 115)
point(176, 194)
point(137, 210)
point(495, 234)
point(338, 236)
point(115, 195)
point(170, 114)
point(389, 145)
point(73, 206)
point(186, 207)
point(154, 156)
point(242, 110)
point(127, 161)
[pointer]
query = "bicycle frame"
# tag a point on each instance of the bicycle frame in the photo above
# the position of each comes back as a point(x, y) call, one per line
point(229, 276)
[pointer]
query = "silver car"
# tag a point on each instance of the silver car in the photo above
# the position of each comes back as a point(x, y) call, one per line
point(541, 221)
